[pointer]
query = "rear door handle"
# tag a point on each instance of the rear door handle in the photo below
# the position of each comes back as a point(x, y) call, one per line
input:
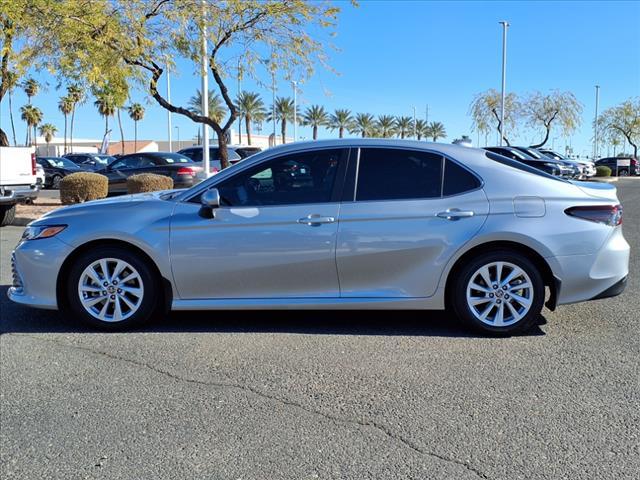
point(315, 220)
point(455, 214)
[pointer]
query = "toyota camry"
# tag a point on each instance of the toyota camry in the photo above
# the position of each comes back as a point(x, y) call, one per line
point(336, 224)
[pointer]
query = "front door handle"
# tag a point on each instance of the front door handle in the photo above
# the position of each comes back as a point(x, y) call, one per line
point(455, 214)
point(315, 220)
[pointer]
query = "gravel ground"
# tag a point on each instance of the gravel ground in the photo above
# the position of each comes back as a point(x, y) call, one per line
point(304, 395)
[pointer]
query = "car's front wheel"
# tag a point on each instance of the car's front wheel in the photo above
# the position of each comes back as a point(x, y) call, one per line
point(500, 292)
point(111, 288)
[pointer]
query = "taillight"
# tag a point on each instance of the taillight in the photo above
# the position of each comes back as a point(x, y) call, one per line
point(186, 171)
point(608, 214)
point(33, 164)
point(214, 170)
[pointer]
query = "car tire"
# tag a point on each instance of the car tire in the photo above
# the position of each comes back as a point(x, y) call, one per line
point(623, 173)
point(7, 214)
point(124, 296)
point(498, 293)
point(55, 182)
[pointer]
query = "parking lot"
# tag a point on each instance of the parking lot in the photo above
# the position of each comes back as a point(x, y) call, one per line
point(303, 395)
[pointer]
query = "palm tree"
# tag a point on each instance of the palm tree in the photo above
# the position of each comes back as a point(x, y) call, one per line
point(404, 125)
point(77, 97)
point(48, 130)
point(32, 116)
point(136, 112)
point(386, 125)
point(340, 120)
point(436, 130)
point(363, 124)
point(251, 107)
point(30, 87)
point(65, 105)
point(421, 129)
point(216, 110)
point(284, 113)
point(106, 104)
point(315, 116)
point(11, 80)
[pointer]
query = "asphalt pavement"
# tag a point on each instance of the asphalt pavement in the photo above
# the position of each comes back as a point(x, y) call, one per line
point(324, 395)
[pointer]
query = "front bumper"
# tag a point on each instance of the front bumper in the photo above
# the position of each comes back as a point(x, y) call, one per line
point(35, 267)
point(586, 277)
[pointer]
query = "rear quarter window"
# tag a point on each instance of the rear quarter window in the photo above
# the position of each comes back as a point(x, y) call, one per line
point(458, 179)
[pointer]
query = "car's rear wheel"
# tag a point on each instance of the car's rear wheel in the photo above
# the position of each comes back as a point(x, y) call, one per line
point(499, 292)
point(7, 214)
point(623, 173)
point(112, 289)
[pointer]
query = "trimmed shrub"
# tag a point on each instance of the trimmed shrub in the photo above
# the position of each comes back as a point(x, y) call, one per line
point(603, 171)
point(148, 182)
point(83, 186)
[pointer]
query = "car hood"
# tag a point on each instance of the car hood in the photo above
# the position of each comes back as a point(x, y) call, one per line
point(124, 202)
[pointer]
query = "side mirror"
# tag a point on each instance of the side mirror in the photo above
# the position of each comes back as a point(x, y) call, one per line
point(210, 200)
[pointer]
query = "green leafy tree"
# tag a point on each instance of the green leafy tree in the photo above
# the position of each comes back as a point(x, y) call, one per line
point(251, 108)
point(341, 120)
point(386, 126)
point(65, 105)
point(404, 126)
point(31, 88)
point(136, 112)
point(548, 111)
point(364, 124)
point(623, 120)
point(32, 116)
point(485, 112)
point(284, 109)
point(315, 116)
point(48, 131)
point(217, 111)
point(436, 130)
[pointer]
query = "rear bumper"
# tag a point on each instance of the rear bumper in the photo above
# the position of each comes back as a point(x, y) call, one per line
point(587, 277)
point(10, 194)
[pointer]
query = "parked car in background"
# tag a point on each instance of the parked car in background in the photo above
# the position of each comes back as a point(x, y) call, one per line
point(547, 165)
point(576, 170)
point(56, 168)
point(588, 167)
point(180, 168)
point(371, 224)
point(18, 180)
point(612, 163)
point(235, 154)
point(95, 161)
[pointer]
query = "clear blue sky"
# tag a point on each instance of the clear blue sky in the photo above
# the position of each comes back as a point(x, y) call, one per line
point(395, 55)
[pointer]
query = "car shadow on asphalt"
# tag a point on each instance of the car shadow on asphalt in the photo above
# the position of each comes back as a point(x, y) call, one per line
point(18, 319)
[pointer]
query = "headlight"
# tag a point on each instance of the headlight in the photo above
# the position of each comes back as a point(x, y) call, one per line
point(43, 231)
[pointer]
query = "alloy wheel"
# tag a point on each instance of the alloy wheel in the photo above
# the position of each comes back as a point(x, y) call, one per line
point(499, 294)
point(110, 290)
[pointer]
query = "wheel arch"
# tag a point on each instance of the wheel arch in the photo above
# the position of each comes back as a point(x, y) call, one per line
point(541, 264)
point(61, 297)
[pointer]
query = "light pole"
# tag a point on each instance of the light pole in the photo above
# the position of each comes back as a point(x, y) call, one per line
point(239, 93)
point(168, 112)
point(505, 25)
point(595, 126)
point(295, 110)
point(178, 135)
point(415, 127)
point(205, 93)
point(273, 106)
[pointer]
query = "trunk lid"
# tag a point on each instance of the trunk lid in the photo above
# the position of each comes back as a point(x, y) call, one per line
point(598, 190)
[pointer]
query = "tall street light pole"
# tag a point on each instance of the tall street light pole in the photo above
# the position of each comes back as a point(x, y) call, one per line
point(273, 105)
point(415, 127)
point(595, 126)
point(168, 112)
point(178, 135)
point(505, 25)
point(295, 110)
point(205, 93)
point(239, 93)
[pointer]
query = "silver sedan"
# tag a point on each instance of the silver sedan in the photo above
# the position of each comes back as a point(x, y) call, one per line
point(339, 224)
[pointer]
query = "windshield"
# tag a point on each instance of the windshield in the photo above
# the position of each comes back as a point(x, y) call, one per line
point(103, 159)
point(62, 163)
point(169, 158)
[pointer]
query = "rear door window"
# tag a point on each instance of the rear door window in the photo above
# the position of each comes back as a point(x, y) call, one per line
point(396, 174)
